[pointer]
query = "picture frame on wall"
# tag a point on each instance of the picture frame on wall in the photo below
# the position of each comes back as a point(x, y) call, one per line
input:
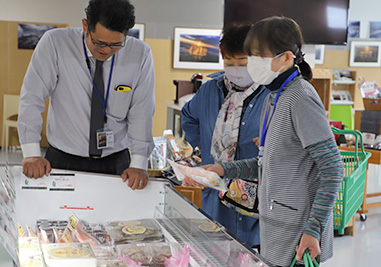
point(319, 54)
point(375, 29)
point(138, 31)
point(29, 34)
point(197, 48)
point(365, 54)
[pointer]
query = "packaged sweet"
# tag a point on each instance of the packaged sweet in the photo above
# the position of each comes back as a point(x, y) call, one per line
point(146, 230)
point(29, 246)
point(31, 233)
point(200, 175)
point(81, 235)
point(158, 158)
point(112, 263)
point(176, 152)
point(69, 254)
point(20, 230)
point(32, 260)
point(148, 254)
point(105, 253)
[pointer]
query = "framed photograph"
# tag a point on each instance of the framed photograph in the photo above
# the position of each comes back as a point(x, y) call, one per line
point(30, 34)
point(365, 54)
point(319, 54)
point(138, 31)
point(354, 29)
point(375, 29)
point(197, 49)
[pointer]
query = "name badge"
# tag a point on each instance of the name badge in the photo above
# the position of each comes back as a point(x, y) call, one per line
point(105, 139)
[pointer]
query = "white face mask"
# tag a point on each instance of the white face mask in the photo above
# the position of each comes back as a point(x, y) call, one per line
point(239, 76)
point(260, 71)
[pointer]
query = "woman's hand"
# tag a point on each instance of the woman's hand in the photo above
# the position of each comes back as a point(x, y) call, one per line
point(308, 242)
point(190, 182)
point(256, 141)
point(217, 168)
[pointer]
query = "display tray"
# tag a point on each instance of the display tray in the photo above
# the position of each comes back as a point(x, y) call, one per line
point(104, 198)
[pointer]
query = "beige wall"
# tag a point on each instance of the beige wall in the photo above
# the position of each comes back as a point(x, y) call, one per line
point(165, 90)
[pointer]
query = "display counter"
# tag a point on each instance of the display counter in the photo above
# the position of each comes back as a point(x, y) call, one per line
point(101, 198)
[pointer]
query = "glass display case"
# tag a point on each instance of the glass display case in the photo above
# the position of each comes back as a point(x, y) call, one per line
point(101, 198)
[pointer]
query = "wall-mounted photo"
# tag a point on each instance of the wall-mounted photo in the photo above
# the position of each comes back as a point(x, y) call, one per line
point(197, 49)
point(29, 34)
point(319, 54)
point(354, 29)
point(375, 29)
point(138, 31)
point(365, 54)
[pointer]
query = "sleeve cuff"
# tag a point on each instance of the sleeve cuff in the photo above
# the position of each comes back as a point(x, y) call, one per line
point(139, 162)
point(313, 228)
point(31, 150)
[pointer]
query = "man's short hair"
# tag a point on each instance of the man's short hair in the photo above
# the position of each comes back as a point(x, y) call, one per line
point(115, 15)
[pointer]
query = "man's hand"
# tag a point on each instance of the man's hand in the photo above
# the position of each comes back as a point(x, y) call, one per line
point(36, 167)
point(137, 178)
point(308, 242)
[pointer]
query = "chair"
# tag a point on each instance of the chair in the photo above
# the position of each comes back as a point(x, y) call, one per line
point(10, 112)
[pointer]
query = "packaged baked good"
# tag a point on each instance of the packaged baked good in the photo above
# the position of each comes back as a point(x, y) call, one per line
point(158, 158)
point(200, 175)
point(176, 152)
point(146, 230)
point(148, 254)
point(111, 263)
point(105, 253)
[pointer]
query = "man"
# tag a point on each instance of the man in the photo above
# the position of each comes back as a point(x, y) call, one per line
point(100, 83)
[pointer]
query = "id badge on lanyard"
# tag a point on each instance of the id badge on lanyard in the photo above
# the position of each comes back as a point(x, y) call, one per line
point(105, 138)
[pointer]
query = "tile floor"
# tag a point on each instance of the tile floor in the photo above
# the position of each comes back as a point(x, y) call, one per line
point(363, 249)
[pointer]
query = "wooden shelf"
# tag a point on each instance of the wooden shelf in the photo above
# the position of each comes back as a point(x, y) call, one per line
point(322, 81)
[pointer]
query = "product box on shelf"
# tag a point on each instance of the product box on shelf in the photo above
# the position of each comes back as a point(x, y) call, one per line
point(372, 103)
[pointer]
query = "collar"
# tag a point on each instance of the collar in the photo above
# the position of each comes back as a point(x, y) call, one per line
point(275, 85)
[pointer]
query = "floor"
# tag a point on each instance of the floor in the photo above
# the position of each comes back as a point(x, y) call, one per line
point(363, 249)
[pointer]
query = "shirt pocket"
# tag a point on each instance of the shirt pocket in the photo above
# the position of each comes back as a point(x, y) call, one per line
point(119, 104)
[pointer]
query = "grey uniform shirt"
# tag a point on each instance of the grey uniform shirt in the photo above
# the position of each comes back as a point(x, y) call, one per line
point(290, 177)
point(58, 71)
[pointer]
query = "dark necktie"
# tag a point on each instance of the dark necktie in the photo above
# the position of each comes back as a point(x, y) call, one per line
point(97, 111)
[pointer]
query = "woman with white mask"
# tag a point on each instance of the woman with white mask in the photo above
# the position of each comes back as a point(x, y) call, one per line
point(299, 166)
point(222, 119)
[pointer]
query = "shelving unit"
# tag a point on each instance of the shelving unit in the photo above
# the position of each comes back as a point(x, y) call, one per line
point(343, 100)
point(322, 81)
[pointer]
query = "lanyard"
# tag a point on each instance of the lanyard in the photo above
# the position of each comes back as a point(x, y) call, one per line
point(104, 103)
point(265, 124)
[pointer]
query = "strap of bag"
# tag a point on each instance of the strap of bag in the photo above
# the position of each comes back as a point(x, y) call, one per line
point(308, 262)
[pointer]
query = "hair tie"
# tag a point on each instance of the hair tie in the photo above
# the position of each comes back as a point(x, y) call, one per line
point(299, 58)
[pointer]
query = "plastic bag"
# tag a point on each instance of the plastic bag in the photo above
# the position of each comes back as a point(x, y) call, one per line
point(178, 259)
point(200, 175)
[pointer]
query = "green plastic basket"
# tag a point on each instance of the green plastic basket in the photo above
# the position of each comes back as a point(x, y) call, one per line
point(351, 192)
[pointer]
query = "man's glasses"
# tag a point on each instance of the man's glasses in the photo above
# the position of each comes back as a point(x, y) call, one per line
point(101, 45)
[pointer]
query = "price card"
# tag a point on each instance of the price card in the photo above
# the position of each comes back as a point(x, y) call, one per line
point(62, 182)
point(31, 183)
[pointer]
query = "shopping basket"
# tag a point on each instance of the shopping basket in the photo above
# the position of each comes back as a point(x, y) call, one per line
point(351, 192)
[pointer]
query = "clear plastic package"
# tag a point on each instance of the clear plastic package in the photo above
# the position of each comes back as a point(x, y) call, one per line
point(146, 230)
